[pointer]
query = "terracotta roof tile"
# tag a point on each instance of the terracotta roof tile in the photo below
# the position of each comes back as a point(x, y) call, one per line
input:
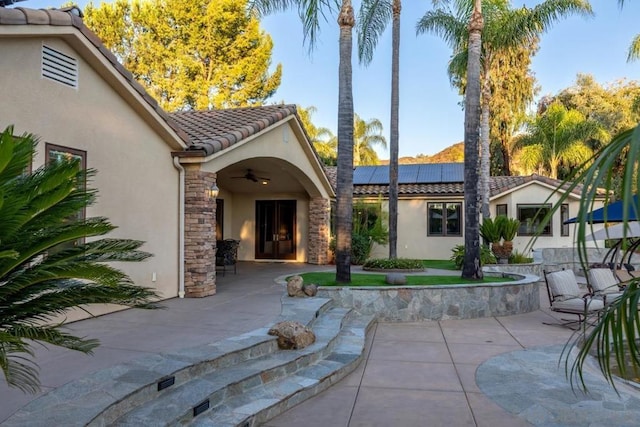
point(212, 131)
point(68, 17)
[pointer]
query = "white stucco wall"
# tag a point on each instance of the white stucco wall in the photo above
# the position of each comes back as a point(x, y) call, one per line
point(137, 183)
point(413, 241)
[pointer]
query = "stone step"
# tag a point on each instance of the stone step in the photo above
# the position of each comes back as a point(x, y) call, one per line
point(264, 402)
point(103, 396)
point(179, 405)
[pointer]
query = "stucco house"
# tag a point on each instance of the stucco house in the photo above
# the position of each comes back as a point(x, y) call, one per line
point(156, 170)
point(431, 207)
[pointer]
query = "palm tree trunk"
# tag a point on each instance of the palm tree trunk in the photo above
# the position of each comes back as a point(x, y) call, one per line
point(344, 190)
point(485, 155)
point(471, 268)
point(394, 132)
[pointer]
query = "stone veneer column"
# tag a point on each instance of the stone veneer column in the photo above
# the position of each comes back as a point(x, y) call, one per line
point(199, 233)
point(318, 245)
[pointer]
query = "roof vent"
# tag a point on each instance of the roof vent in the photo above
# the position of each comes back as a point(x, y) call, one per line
point(59, 67)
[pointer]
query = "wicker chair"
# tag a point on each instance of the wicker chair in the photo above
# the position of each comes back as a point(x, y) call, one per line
point(227, 255)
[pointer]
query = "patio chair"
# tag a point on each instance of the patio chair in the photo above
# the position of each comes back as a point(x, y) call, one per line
point(227, 255)
point(604, 284)
point(566, 297)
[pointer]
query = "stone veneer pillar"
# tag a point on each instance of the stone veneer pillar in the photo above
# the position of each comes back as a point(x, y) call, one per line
point(318, 245)
point(199, 233)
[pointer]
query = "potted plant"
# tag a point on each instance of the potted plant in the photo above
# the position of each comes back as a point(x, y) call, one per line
point(508, 230)
point(490, 231)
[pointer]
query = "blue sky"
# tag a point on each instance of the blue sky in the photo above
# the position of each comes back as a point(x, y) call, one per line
point(430, 116)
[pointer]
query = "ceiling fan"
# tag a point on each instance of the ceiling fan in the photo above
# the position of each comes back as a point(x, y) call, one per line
point(251, 176)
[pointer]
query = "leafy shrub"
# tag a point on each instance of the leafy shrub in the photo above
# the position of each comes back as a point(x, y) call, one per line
point(510, 228)
point(399, 263)
point(519, 258)
point(490, 231)
point(486, 256)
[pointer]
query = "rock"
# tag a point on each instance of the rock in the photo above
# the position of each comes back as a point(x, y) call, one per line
point(396, 279)
point(294, 287)
point(292, 335)
point(310, 289)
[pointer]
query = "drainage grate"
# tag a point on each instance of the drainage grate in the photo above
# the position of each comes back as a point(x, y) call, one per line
point(200, 408)
point(165, 383)
point(59, 67)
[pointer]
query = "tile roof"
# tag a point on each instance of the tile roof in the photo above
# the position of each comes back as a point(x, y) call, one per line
point(211, 131)
point(72, 17)
point(497, 184)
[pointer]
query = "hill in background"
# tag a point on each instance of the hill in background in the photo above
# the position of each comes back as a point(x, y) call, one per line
point(452, 154)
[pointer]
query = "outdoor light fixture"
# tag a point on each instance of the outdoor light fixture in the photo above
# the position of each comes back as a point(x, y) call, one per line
point(214, 191)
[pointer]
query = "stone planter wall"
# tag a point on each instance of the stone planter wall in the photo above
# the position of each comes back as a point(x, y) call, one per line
point(413, 303)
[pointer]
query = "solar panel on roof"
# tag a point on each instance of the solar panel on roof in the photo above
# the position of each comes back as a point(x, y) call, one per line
point(429, 173)
point(380, 175)
point(362, 175)
point(452, 172)
point(408, 174)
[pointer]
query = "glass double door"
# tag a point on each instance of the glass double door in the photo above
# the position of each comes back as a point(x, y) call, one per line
point(276, 229)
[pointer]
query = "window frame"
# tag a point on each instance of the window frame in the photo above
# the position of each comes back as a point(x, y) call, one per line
point(564, 215)
point(445, 232)
point(503, 206)
point(539, 206)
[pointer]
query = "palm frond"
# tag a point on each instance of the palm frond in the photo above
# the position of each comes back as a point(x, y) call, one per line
point(453, 30)
point(373, 18)
point(634, 49)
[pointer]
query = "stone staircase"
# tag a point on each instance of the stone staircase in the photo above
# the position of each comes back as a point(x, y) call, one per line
point(241, 381)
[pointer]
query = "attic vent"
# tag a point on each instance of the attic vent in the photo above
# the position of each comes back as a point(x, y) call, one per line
point(59, 67)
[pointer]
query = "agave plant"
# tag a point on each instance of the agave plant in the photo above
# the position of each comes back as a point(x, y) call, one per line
point(46, 266)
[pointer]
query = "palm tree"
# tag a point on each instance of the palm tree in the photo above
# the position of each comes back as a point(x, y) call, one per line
point(471, 268)
point(322, 138)
point(556, 138)
point(634, 49)
point(374, 16)
point(504, 28)
point(366, 135)
point(46, 266)
point(310, 13)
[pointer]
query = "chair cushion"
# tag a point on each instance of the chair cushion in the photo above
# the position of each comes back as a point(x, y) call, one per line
point(576, 305)
point(603, 281)
point(563, 285)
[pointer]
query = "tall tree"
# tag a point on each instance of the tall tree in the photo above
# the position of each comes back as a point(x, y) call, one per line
point(374, 16)
point(504, 28)
point(557, 138)
point(46, 266)
point(310, 13)
point(471, 267)
point(322, 138)
point(366, 135)
point(198, 54)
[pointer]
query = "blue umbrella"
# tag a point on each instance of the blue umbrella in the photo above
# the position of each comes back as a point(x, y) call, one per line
point(613, 212)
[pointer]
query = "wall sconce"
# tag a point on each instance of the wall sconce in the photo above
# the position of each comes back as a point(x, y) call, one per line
point(214, 191)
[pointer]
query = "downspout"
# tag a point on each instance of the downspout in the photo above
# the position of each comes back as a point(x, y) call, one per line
point(176, 163)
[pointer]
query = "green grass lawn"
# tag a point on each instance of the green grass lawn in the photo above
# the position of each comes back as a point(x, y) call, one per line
point(359, 279)
point(442, 264)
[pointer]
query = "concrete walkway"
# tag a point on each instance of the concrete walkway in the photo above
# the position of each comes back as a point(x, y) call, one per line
point(418, 374)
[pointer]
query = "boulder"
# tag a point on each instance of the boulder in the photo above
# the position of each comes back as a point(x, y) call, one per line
point(294, 287)
point(396, 279)
point(292, 335)
point(310, 289)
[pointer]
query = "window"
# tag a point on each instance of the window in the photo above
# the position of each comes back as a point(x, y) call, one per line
point(564, 215)
point(56, 153)
point(501, 210)
point(530, 217)
point(219, 219)
point(444, 219)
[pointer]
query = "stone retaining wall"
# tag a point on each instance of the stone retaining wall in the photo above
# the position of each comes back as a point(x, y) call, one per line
point(418, 303)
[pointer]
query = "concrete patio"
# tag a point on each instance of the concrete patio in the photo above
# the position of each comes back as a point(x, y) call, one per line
point(415, 374)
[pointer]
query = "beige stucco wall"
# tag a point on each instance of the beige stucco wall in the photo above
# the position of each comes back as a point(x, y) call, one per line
point(413, 241)
point(138, 185)
point(284, 146)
